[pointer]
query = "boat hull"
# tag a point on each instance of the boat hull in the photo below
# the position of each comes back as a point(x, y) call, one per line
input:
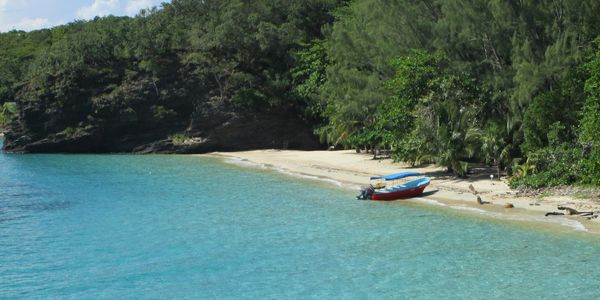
point(403, 194)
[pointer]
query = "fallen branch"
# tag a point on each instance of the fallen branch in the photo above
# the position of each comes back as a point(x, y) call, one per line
point(481, 202)
point(571, 211)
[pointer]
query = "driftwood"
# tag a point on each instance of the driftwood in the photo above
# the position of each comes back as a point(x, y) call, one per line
point(472, 188)
point(481, 202)
point(571, 211)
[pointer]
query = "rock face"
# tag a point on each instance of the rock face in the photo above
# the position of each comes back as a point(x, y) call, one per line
point(152, 125)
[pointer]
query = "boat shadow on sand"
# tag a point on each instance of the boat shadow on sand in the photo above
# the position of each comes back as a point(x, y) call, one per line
point(429, 193)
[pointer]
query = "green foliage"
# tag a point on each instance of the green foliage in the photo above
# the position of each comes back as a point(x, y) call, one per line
point(171, 62)
point(308, 75)
point(510, 86)
point(440, 108)
point(589, 130)
point(412, 148)
point(18, 50)
point(525, 169)
point(494, 146)
point(561, 105)
point(457, 137)
point(178, 138)
point(554, 166)
point(69, 131)
point(366, 36)
point(8, 111)
point(590, 124)
point(395, 116)
point(431, 114)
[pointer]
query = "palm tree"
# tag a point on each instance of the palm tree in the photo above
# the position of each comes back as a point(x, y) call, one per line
point(494, 146)
point(457, 137)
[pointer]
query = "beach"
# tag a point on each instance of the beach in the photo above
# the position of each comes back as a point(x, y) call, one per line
point(352, 170)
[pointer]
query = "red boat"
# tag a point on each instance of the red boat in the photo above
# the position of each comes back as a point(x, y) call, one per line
point(380, 190)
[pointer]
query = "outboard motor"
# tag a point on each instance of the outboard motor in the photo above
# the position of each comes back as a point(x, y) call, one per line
point(365, 193)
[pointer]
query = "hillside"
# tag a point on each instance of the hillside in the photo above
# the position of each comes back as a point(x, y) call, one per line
point(512, 84)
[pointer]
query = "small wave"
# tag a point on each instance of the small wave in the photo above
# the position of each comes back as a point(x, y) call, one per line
point(430, 201)
point(244, 162)
point(312, 177)
point(247, 163)
point(574, 224)
point(469, 209)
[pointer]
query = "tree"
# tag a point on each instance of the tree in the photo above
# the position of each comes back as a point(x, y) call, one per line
point(589, 129)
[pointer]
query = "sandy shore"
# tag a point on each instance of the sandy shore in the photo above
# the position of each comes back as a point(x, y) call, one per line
point(353, 170)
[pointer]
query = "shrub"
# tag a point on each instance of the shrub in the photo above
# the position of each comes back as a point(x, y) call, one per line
point(7, 112)
point(69, 131)
point(591, 168)
point(555, 166)
point(178, 139)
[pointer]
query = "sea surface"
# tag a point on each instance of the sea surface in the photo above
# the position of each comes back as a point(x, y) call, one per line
point(183, 227)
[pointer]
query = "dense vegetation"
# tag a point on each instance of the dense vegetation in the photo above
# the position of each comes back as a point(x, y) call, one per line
point(510, 83)
point(173, 71)
point(514, 84)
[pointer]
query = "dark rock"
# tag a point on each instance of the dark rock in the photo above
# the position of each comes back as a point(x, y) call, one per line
point(147, 125)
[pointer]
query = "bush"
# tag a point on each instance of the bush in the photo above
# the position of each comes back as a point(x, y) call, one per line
point(411, 149)
point(69, 131)
point(178, 139)
point(555, 166)
point(591, 168)
point(7, 112)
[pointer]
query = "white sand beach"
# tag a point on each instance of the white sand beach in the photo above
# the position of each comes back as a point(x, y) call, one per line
point(353, 170)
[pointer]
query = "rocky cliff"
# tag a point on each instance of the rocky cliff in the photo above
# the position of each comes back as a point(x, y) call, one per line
point(146, 122)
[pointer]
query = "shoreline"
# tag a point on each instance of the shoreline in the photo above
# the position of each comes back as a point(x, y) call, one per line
point(351, 170)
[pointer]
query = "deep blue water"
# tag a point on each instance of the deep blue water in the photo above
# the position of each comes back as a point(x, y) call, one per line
point(127, 226)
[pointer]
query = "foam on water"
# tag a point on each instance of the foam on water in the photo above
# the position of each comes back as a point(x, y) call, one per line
point(247, 163)
point(429, 201)
point(574, 224)
point(244, 162)
point(466, 208)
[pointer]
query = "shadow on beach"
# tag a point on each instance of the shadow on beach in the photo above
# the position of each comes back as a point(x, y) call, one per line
point(429, 193)
point(476, 173)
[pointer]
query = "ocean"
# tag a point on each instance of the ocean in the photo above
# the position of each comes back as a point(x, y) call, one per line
point(184, 227)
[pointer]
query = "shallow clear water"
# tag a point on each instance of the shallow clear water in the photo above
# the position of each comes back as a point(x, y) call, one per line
point(125, 226)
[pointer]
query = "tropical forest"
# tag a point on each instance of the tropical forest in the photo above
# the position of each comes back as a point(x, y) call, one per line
point(514, 84)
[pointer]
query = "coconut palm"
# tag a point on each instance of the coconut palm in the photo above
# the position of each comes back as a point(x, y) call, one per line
point(494, 145)
point(457, 136)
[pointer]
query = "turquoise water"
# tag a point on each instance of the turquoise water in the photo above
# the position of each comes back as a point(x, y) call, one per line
point(125, 226)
